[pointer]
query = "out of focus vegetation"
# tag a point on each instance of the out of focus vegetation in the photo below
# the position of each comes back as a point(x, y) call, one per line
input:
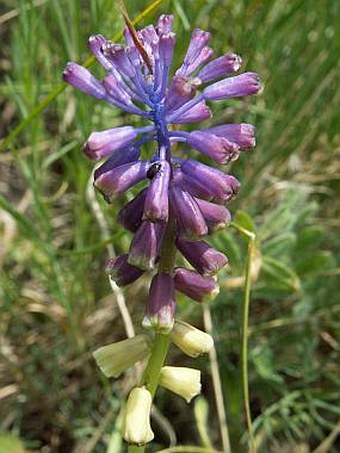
point(56, 303)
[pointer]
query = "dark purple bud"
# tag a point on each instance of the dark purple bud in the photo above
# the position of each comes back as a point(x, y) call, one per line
point(83, 80)
point(221, 186)
point(161, 307)
point(243, 134)
point(206, 260)
point(164, 24)
point(146, 245)
point(156, 206)
point(241, 85)
point(101, 144)
point(121, 271)
point(120, 157)
point(130, 216)
point(190, 221)
point(198, 41)
point(116, 181)
point(196, 114)
point(194, 285)
point(220, 66)
point(217, 148)
point(191, 185)
point(95, 44)
point(215, 215)
point(181, 90)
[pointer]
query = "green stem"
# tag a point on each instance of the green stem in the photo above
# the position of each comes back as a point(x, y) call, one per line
point(136, 449)
point(245, 318)
point(161, 343)
point(168, 252)
point(158, 355)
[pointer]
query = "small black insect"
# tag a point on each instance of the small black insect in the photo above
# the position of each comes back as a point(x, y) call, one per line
point(153, 170)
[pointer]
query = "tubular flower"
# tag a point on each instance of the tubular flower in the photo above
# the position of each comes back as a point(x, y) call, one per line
point(190, 340)
point(185, 382)
point(192, 194)
point(115, 358)
point(137, 429)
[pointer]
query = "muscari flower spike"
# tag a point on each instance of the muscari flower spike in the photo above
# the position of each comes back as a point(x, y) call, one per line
point(137, 81)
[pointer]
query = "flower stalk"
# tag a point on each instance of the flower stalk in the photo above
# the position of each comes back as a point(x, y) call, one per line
point(152, 372)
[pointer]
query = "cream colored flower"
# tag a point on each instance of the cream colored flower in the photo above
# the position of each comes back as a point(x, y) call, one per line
point(137, 429)
point(114, 358)
point(185, 382)
point(191, 341)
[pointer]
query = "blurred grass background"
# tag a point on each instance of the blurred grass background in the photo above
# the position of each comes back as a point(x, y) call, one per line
point(56, 303)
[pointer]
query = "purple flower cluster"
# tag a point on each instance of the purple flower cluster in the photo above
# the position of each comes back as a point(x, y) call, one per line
point(193, 195)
